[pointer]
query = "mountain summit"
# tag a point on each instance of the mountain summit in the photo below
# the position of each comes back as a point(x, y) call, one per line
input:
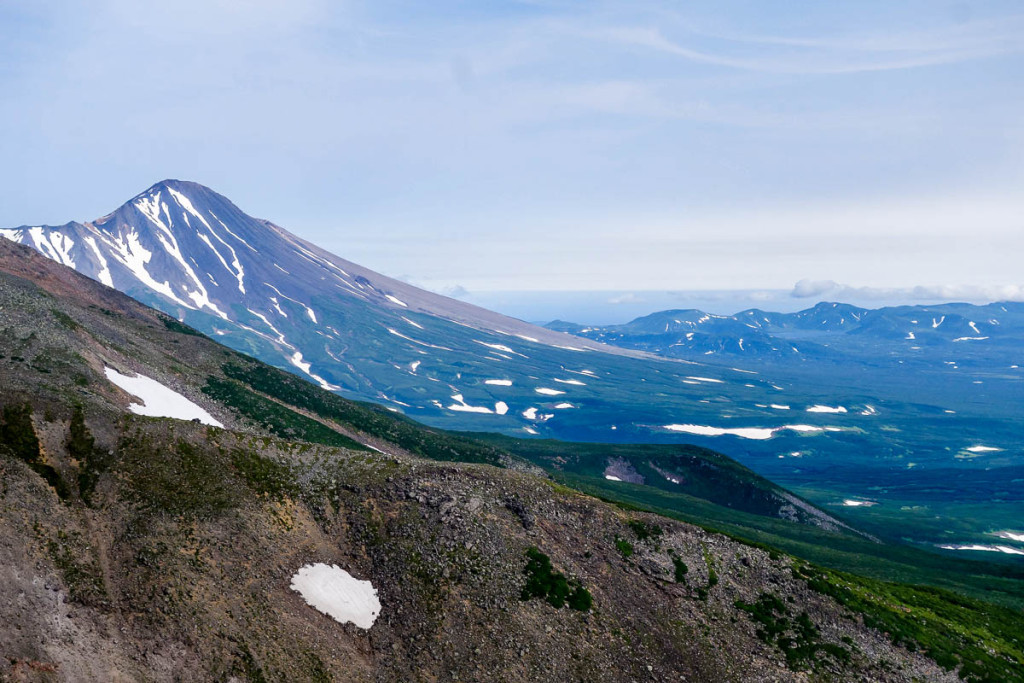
point(189, 251)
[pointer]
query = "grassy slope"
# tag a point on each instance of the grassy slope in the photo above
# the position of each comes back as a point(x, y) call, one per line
point(981, 639)
point(841, 551)
point(949, 621)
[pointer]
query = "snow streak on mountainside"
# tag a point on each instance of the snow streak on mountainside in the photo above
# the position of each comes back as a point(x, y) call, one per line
point(847, 427)
point(189, 251)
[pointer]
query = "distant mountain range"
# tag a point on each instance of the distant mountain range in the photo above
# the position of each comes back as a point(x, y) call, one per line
point(826, 331)
point(176, 511)
point(915, 409)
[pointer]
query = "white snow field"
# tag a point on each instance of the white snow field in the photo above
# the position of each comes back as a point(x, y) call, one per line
point(826, 409)
point(461, 406)
point(158, 400)
point(743, 432)
point(982, 449)
point(758, 433)
point(985, 548)
point(333, 591)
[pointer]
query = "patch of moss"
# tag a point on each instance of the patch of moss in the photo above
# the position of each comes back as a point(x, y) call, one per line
point(178, 479)
point(263, 475)
point(18, 436)
point(624, 547)
point(645, 531)
point(542, 581)
point(709, 560)
point(65, 320)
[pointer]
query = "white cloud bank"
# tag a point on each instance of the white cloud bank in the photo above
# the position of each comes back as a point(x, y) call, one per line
point(829, 289)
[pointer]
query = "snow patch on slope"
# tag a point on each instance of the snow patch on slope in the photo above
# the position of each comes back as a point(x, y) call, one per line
point(461, 406)
point(158, 400)
point(333, 591)
point(826, 409)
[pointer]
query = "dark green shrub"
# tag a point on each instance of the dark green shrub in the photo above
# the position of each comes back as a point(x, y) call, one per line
point(580, 599)
point(644, 530)
point(542, 581)
point(82, 447)
point(179, 327)
point(681, 570)
point(19, 436)
point(798, 639)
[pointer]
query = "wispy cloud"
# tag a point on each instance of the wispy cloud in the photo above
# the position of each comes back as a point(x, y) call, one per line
point(628, 298)
point(840, 55)
point(548, 144)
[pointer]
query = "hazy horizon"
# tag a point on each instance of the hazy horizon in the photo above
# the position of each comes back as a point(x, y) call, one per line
point(549, 146)
point(616, 307)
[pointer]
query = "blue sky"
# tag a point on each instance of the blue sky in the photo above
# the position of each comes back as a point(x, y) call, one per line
point(863, 148)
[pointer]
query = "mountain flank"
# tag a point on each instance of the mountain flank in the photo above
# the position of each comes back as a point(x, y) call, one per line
point(151, 548)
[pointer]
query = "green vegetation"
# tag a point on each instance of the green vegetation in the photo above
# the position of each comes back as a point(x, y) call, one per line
point(247, 665)
point(840, 550)
point(65, 320)
point(368, 418)
point(179, 327)
point(624, 547)
point(19, 437)
point(645, 531)
point(17, 432)
point(177, 478)
point(798, 639)
point(984, 640)
point(542, 581)
point(82, 447)
point(709, 562)
point(681, 570)
point(274, 417)
point(712, 574)
point(263, 475)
